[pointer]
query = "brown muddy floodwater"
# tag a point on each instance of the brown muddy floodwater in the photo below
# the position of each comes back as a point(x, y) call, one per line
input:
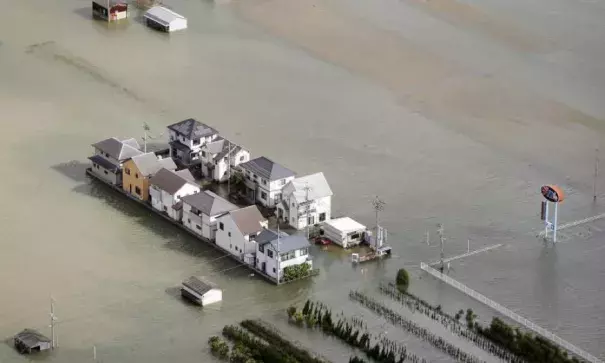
point(452, 111)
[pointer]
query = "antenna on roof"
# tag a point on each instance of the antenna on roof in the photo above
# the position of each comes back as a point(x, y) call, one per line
point(147, 136)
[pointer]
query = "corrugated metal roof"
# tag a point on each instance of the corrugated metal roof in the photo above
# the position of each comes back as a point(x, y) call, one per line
point(197, 285)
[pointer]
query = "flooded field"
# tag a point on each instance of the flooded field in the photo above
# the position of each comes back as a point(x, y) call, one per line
point(454, 112)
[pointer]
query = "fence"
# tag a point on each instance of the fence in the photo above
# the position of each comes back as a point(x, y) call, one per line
point(511, 314)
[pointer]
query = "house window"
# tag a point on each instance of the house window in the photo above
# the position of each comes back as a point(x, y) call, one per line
point(106, 155)
point(248, 172)
point(254, 176)
point(263, 195)
point(293, 205)
point(127, 171)
point(221, 226)
point(264, 181)
point(282, 182)
point(310, 220)
point(322, 217)
point(229, 233)
point(203, 154)
point(198, 227)
point(136, 175)
point(261, 248)
point(277, 197)
point(137, 190)
point(230, 245)
point(270, 253)
point(196, 142)
point(165, 209)
point(273, 269)
point(288, 256)
point(354, 236)
point(303, 252)
point(106, 172)
point(188, 220)
point(241, 158)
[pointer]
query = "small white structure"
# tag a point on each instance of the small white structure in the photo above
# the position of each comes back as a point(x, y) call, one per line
point(220, 157)
point(201, 292)
point(275, 252)
point(344, 231)
point(264, 180)
point(110, 10)
point(237, 231)
point(201, 210)
point(165, 20)
point(166, 188)
point(306, 201)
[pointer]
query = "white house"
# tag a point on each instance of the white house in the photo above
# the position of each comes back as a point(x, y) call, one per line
point(306, 201)
point(187, 138)
point(292, 250)
point(220, 157)
point(201, 210)
point(165, 20)
point(201, 292)
point(110, 154)
point(237, 231)
point(344, 231)
point(166, 190)
point(264, 180)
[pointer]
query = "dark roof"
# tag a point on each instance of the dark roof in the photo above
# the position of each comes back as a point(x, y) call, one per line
point(178, 205)
point(248, 220)
point(197, 285)
point(192, 129)
point(266, 168)
point(120, 150)
point(168, 181)
point(98, 159)
point(31, 338)
point(268, 235)
point(209, 203)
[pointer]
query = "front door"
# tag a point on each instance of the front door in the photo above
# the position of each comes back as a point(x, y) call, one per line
point(130, 188)
point(264, 267)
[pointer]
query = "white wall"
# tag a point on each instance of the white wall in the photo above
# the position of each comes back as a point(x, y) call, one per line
point(235, 243)
point(192, 221)
point(271, 263)
point(108, 176)
point(212, 296)
point(156, 198)
point(168, 200)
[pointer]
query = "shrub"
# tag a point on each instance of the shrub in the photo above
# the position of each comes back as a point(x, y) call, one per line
point(403, 280)
point(296, 271)
point(291, 311)
point(218, 347)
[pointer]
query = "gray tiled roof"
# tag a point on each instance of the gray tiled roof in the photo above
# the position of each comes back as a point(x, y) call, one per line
point(192, 129)
point(147, 164)
point(168, 181)
point(290, 243)
point(221, 147)
point(167, 163)
point(268, 169)
point(31, 338)
point(198, 285)
point(317, 184)
point(186, 174)
point(248, 220)
point(209, 203)
point(106, 164)
point(118, 149)
point(268, 235)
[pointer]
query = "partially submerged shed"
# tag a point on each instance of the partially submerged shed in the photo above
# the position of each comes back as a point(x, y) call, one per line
point(344, 231)
point(110, 10)
point(201, 292)
point(30, 341)
point(165, 20)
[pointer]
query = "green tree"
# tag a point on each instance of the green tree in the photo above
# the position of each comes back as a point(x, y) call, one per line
point(291, 311)
point(305, 310)
point(218, 347)
point(403, 280)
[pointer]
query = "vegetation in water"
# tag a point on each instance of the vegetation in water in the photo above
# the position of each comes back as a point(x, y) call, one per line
point(219, 347)
point(403, 280)
point(296, 272)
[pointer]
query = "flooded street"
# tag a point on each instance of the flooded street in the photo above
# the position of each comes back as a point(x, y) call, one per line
point(454, 112)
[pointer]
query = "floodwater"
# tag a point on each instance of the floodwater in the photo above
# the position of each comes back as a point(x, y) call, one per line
point(454, 112)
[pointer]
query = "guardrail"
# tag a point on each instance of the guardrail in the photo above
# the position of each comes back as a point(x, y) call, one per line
point(511, 314)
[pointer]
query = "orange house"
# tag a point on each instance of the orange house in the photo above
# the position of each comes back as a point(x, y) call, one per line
point(138, 170)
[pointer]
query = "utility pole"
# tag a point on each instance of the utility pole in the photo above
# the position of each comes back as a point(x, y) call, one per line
point(53, 318)
point(428, 242)
point(308, 206)
point(468, 249)
point(378, 206)
point(442, 241)
point(94, 353)
point(596, 174)
point(147, 136)
point(229, 169)
point(278, 257)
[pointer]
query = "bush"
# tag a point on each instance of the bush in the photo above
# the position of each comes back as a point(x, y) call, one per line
point(403, 280)
point(218, 347)
point(296, 271)
point(291, 311)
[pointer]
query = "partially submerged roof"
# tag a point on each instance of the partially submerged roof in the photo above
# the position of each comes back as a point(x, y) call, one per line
point(120, 150)
point(149, 164)
point(162, 15)
point(191, 128)
point(209, 203)
point(169, 181)
point(317, 185)
point(198, 285)
point(248, 220)
point(346, 224)
point(267, 168)
point(31, 338)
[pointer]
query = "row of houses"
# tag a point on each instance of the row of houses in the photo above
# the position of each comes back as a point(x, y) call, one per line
point(242, 232)
point(298, 201)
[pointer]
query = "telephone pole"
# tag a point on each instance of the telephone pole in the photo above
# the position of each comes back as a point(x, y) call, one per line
point(147, 136)
point(596, 174)
point(378, 205)
point(53, 318)
point(229, 170)
point(308, 206)
point(278, 257)
point(442, 241)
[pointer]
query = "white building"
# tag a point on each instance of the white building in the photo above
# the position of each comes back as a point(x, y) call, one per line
point(306, 201)
point(237, 231)
point(264, 180)
point(201, 210)
point(344, 231)
point(293, 250)
point(165, 20)
point(201, 292)
point(218, 155)
point(187, 138)
point(167, 188)
point(110, 154)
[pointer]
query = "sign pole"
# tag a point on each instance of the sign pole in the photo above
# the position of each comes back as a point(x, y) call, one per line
point(546, 222)
point(554, 232)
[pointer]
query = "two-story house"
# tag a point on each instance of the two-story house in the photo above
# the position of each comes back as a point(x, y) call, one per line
point(109, 156)
point(167, 188)
point(138, 170)
point(274, 252)
point(306, 201)
point(264, 180)
point(201, 210)
point(186, 139)
point(220, 157)
point(237, 231)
